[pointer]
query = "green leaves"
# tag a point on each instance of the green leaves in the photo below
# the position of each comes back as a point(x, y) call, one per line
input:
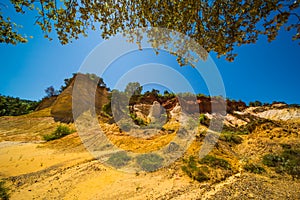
point(9, 33)
point(60, 131)
point(217, 25)
point(10, 106)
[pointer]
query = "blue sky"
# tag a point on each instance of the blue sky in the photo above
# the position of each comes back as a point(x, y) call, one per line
point(262, 71)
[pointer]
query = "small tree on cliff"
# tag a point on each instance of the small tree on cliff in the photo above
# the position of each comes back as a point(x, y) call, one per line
point(133, 88)
point(255, 104)
point(50, 92)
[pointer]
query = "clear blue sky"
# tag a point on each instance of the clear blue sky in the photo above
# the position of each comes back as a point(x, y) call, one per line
point(262, 71)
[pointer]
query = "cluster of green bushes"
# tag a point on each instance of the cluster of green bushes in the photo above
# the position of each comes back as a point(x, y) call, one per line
point(255, 103)
point(286, 162)
point(215, 162)
point(193, 171)
point(148, 162)
point(10, 106)
point(119, 159)
point(254, 168)
point(232, 138)
point(59, 132)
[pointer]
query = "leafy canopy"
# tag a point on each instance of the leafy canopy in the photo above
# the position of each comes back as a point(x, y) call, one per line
point(217, 25)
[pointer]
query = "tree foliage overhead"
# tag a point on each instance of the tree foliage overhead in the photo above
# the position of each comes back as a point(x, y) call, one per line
point(217, 25)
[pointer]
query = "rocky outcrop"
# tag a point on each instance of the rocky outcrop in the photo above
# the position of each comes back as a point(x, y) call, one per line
point(62, 109)
point(233, 106)
point(147, 107)
point(279, 105)
point(206, 104)
point(156, 110)
point(154, 106)
point(176, 112)
point(147, 112)
point(280, 114)
point(46, 103)
point(142, 111)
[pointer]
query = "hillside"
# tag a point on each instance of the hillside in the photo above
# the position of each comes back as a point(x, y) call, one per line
point(10, 106)
point(257, 154)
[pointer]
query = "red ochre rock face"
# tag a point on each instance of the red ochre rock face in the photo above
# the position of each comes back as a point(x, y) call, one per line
point(61, 105)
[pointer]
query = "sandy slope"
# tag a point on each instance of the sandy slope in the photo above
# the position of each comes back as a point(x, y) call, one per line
point(36, 172)
point(64, 169)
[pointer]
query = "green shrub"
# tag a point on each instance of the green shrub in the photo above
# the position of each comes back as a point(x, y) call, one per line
point(287, 162)
point(150, 162)
point(140, 121)
point(197, 174)
point(3, 191)
point(255, 104)
point(231, 138)
point(271, 160)
point(60, 132)
point(193, 171)
point(119, 159)
point(254, 168)
point(204, 120)
point(106, 108)
point(286, 146)
point(213, 161)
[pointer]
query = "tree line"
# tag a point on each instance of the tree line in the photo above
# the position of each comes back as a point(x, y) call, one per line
point(13, 106)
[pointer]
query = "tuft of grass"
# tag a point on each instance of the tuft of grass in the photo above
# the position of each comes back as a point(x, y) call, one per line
point(3, 191)
point(60, 132)
point(254, 168)
point(150, 162)
point(119, 159)
point(287, 162)
point(193, 171)
point(213, 161)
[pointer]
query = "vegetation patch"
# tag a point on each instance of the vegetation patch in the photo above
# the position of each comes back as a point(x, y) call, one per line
point(150, 162)
point(248, 128)
point(139, 121)
point(60, 132)
point(213, 161)
point(232, 138)
point(10, 106)
point(3, 191)
point(254, 168)
point(119, 159)
point(193, 171)
point(287, 162)
point(204, 120)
